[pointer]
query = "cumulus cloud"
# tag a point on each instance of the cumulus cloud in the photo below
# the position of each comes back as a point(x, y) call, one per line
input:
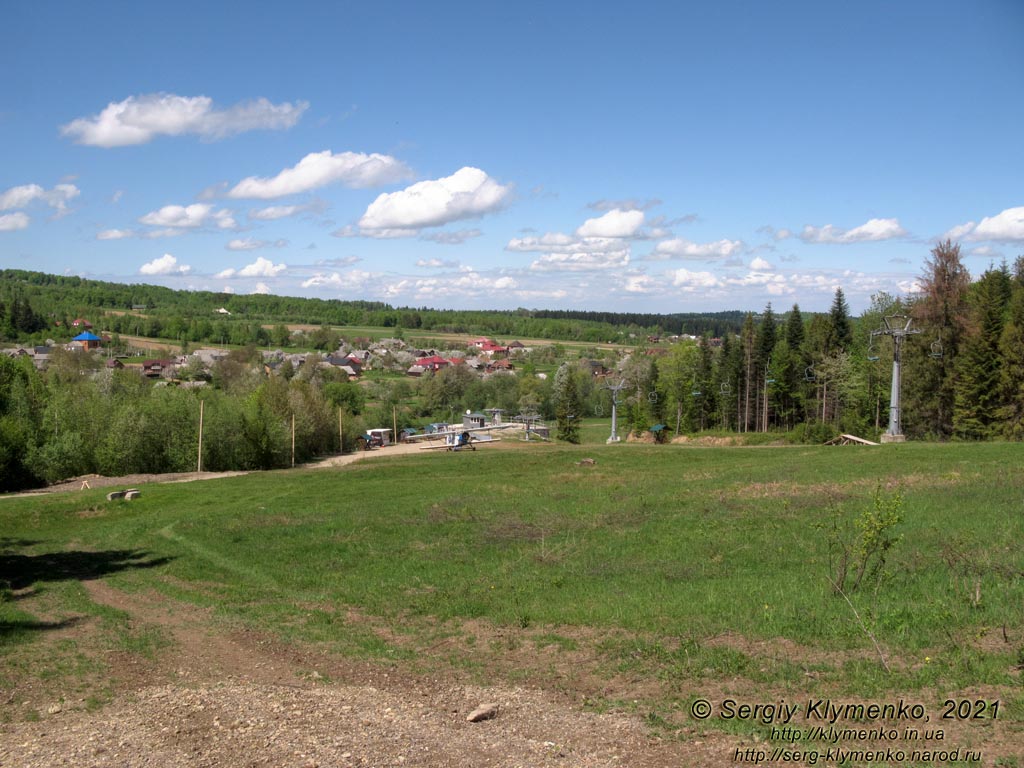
point(469, 284)
point(552, 241)
point(12, 221)
point(773, 233)
point(139, 119)
point(318, 169)
point(261, 288)
point(179, 217)
point(1006, 226)
point(260, 268)
point(275, 212)
point(582, 262)
point(615, 223)
point(24, 195)
point(761, 265)
point(343, 261)
point(114, 234)
point(320, 280)
point(436, 264)
point(251, 244)
point(679, 248)
point(871, 231)
point(165, 265)
point(451, 238)
point(692, 281)
point(960, 231)
point(466, 194)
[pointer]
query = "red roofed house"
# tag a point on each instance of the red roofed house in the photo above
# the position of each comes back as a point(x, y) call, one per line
point(433, 363)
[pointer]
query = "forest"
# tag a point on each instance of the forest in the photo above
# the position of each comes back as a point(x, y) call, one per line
point(792, 376)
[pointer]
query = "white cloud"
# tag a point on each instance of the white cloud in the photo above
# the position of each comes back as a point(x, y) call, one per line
point(168, 232)
point(761, 265)
point(960, 231)
point(114, 234)
point(165, 265)
point(582, 262)
point(871, 231)
point(1005, 226)
point(679, 248)
point(12, 221)
point(320, 280)
point(468, 285)
point(274, 212)
point(245, 244)
point(344, 261)
point(466, 194)
point(178, 217)
point(261, 288)
point(318, 169)
point(21, 197)
point(644, 284)
point(139, 119)
point(451, 238)
point(615, 223)
point(260, 268)
point(552, 241)
point(251, 244)
point(692, 281)
point(436, 264)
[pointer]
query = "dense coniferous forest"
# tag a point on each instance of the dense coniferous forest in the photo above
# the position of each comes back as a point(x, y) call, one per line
point(799, 376)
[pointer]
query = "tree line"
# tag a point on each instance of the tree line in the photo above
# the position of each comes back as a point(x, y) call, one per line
point(161, 312)
point(803, 377)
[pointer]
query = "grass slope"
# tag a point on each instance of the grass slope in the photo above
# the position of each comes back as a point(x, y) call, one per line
point(671, 562)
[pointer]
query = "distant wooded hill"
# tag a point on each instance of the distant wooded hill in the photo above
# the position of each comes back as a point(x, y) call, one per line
point(33, 301)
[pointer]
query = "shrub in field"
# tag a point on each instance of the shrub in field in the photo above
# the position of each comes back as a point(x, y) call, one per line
point(858, 547)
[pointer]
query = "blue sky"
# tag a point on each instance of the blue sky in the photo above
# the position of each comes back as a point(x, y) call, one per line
point(650, 156)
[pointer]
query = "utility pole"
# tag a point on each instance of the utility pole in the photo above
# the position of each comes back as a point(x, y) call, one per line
point(615, 390)
point(898, 327)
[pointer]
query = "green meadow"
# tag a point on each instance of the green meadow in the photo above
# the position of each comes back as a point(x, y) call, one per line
point(679, 566)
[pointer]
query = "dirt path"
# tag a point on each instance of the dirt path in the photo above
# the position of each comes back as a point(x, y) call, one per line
point(128, 481)
point(226, 699)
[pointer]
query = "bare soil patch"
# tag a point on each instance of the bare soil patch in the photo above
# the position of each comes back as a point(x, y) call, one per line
point(227, 698)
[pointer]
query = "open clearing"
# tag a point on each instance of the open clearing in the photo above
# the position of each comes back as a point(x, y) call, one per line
point(356, 614)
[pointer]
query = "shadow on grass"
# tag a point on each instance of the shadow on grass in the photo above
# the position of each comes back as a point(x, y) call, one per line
point(12, 630)
point(21, 571)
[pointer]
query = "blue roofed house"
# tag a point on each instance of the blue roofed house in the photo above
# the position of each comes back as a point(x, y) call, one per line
point(88, 340)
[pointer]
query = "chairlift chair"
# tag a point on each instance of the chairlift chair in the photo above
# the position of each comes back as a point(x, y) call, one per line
point(936, 349)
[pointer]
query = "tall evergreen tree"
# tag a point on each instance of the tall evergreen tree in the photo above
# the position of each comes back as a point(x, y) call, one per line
point(568, 408)
point(767, 333)
point(1011, 376)
point(840, 335)
point(930, 367)
point(749, 381)
point(795, 328)
point(977, 381)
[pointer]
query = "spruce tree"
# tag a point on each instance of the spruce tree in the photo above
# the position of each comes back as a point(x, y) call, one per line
point(1011, 376)
point(840, 333)
point(976, 399)
point(567, 404)
point(930, 367)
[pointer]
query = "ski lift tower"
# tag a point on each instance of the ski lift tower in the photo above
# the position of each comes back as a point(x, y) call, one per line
point(615, 390)
point(897, 326)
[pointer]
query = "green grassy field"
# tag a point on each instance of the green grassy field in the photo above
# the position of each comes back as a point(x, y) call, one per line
point(679, 565)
